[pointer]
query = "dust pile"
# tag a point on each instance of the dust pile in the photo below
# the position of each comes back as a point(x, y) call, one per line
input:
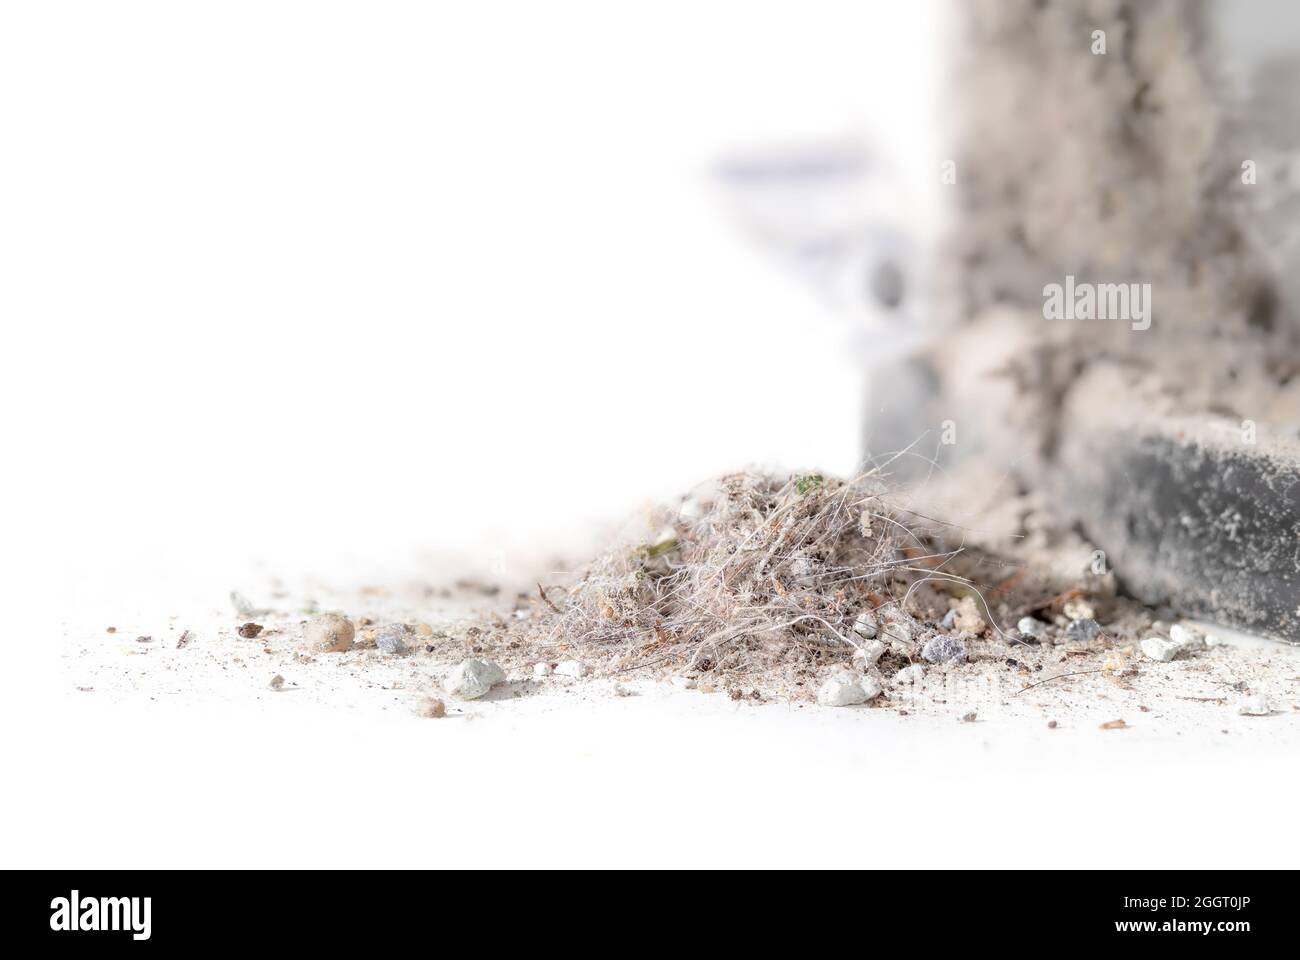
point(769, 583)
point(750, 572)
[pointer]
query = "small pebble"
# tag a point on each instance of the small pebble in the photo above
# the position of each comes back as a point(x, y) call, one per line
point(541, 671)
point(911, 674)
point(571, 668)
point(1051, 724)
point(944, 649)
point(329, 633)
point(250, 630)
point(392, 639)
point(847, 688)
point(432, 708)
point(1032, 627)
point(1159, 648)
point(868, 655)
point(1187, 636)
point(900, 631)
point(967, 617)
point(277, 682)
point(1084, 631)
point(865, 625)
point(473, 678)
point(1254, 706)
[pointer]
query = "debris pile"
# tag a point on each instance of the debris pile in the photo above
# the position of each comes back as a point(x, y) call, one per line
point(751, 571)
point(798, 587)
point(820, 588)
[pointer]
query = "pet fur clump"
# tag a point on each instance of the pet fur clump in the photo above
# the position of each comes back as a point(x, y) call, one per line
point(747, 573)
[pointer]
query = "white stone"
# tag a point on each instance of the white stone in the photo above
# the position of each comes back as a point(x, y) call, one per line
point(1187, 636)
point(846, 688)
point(571, 668)
point(868, 655)
point(1254, 706)
point(1031, 627)
point(871, 687)
point(912, 674)
point(684, 683)
point(1159, 648)
point(900, 631)
point(541, 671)
point(473, 678)
point(865, 625)
point(1214, 640)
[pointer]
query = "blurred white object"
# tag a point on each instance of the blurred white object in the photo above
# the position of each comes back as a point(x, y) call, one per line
point(834, 213)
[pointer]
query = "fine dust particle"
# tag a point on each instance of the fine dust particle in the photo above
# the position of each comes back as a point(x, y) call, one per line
point(85, 689)
point(432, 707)
point(969, 717)
point(144, 639)
point(250, 630)
point(183, 639)
point(1114, 725)
point(277, 682)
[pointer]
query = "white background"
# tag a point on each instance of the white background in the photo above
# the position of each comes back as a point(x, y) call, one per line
point(332, 282)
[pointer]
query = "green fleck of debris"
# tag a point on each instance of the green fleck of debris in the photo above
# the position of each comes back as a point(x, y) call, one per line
point(808, 481)
point(660, 548)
